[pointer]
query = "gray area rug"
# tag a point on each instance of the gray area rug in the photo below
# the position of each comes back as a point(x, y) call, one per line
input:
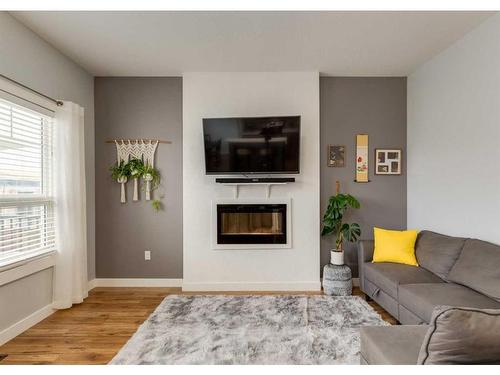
point(251, 330)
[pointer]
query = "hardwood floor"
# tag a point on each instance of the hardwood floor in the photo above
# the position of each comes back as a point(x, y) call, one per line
point(94, 331)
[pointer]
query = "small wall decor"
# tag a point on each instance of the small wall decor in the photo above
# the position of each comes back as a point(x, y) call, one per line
point(336, 155)
point(361, 158)
point(135, 159)
point(388, 161)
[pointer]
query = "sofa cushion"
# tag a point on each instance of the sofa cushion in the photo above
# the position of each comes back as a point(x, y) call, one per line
point(421, 299)
point(387, 276)
point(478, 267)
point(462, 335)
point(391, 345)
point(438, 253)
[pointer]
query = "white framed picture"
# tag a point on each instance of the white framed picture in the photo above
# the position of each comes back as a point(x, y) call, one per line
point(388, 161)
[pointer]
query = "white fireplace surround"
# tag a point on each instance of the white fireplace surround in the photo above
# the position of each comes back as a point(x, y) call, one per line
point(288, 244)
point(294, 266)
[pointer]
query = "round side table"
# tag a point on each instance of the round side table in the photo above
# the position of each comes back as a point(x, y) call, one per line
point(337, 280)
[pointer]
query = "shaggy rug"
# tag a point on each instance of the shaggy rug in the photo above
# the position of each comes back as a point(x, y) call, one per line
point(251, 330)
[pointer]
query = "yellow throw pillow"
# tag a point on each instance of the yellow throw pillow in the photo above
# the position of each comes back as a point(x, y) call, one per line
point(395, 246)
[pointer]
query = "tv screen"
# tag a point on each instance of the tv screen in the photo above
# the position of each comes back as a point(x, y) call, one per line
point(252, 145)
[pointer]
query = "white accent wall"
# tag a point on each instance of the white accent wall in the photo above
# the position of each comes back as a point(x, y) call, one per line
point(250, 94)
point(454, 138)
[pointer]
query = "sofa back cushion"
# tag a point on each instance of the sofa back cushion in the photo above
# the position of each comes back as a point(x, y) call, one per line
point(478, 267)
point(461, 335)
point(438, 253)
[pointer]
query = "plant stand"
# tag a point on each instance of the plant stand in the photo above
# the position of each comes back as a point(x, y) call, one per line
point(337, 280)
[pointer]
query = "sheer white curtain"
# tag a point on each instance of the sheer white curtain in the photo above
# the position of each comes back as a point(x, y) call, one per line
point(70, 281)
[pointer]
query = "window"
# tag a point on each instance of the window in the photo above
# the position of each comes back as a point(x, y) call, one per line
point(26, 194)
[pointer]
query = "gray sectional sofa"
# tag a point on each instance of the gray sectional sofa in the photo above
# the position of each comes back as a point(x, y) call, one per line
point(452, 271)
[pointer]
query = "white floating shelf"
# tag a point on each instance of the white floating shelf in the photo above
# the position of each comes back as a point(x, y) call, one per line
point(236, 186)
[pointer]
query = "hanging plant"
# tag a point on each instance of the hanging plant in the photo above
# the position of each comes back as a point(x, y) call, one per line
point(120, 172)
point(152, 175)
point(136, 167)
point(152, 178)
point(156, 204)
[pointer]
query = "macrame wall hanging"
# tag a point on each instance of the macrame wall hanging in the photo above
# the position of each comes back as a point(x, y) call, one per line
point(135, 159)
point(138, 149)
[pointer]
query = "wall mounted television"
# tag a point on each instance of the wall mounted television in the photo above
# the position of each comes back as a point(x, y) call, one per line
point(252, 145)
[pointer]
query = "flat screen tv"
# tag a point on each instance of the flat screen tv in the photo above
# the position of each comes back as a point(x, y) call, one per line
point(252, 145)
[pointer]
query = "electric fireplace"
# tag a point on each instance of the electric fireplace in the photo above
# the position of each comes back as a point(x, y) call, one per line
point(251, 224)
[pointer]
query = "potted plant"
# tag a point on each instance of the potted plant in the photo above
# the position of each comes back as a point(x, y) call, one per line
point(333, 224)
point(120, 172)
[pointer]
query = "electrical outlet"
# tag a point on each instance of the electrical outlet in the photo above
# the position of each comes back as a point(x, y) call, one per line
point(147, 255)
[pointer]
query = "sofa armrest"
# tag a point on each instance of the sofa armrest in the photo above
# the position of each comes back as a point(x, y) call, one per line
point(365, 250)
point(365, 254)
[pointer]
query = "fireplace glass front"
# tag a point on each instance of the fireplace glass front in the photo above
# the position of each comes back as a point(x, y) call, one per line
point(251, 224)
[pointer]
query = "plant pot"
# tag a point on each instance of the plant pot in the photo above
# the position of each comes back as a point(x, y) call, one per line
point(337, 257)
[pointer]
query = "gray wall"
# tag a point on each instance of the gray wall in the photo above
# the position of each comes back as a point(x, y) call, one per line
point(152, 107)
point(27, 58)
point(139, 108)
point(373, 106)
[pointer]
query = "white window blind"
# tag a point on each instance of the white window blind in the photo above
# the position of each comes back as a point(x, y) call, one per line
point(26, 191)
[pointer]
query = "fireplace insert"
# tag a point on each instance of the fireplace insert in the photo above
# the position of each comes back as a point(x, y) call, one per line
point(251, 224)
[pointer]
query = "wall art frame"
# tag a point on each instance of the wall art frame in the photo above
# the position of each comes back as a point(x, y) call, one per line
point(362, 166)
point(336, 156)
point(388, 161)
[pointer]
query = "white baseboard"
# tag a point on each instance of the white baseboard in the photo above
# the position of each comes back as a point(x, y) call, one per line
point(28, 322)
point(169, 283)
point(214, 286)
point(305, 286)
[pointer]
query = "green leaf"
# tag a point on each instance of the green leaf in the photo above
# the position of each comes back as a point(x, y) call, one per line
point(326, 230)
point(351, 232)
point(353, 202)
point(156, 204)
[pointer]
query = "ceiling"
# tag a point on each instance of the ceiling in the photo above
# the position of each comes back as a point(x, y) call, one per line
point(170, 43)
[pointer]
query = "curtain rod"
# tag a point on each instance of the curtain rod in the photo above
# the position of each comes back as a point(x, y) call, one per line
point(58, 102)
